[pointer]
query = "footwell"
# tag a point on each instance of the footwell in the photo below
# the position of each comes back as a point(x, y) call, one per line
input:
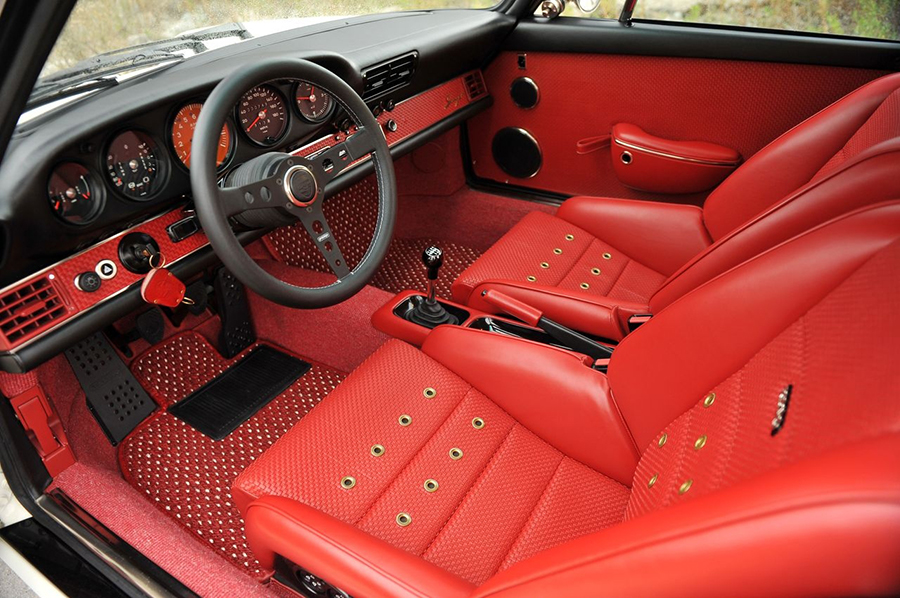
point(188, 475)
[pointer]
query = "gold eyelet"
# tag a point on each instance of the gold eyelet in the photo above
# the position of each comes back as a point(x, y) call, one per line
point(652, 480)
point(570, 237)
point(477, 423)
point(348, 482)
point(662, 440)
point(545, 265)
point(700, 443)
point(430, 485)
point(585, 286)
point(685, 486)
point(709, 399)
point(595, 271)
point(404, 420)
point(456, 454)
point(557, 251)
point(377, 450)
point(607, 256)
point(530, 278)
point(403, 519)
point(429, 393)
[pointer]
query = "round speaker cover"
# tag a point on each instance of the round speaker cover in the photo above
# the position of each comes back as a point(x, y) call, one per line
point(517, 152)
point(524, 92)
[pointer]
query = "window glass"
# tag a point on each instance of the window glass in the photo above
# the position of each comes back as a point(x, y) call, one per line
point(864, 18)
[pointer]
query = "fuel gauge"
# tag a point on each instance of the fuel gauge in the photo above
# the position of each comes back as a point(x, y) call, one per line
point(71, 194)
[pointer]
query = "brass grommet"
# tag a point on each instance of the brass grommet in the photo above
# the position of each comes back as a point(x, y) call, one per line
point(585, 286)
point(652, 480)
point(404, 420)
point(477, 423)
point(456, 454)
point(595, 271)
point(429, 393)
point(685, 486)
point(430, 485)
point(545, 265)
point(557, 251)
point(662, 440)
point(700, 443)
point(377, 450)
point(403, 519)
point(607, 256)
point(570, 237)
point(709, 399)
point(348, 482)
point(530, 278)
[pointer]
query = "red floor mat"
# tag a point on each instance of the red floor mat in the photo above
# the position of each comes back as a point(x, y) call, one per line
point(188, 475)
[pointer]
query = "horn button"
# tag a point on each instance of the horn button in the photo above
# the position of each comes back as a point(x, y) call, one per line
point(300, 186)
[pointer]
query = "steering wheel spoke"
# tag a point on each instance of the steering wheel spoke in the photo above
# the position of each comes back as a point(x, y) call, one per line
point(258, 195)
point(332, 161)
point(318, 230)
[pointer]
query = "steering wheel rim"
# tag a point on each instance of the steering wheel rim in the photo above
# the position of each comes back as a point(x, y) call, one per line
point(285, 184)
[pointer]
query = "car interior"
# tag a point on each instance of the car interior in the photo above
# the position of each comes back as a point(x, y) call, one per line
point(466, 303)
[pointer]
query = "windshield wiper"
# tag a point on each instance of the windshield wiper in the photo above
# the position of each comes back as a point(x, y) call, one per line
point(99, 71)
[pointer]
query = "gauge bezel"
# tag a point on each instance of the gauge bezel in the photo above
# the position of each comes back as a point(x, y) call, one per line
point(324, 118)
point(287, 116)
point(170, 123)
point(97, 189)
point(162, 160)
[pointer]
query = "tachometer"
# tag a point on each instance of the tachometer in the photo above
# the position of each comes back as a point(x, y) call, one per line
point(183, 134)
point(132, 162)
point(71, 194)
point(314, 104)
point(262, 113)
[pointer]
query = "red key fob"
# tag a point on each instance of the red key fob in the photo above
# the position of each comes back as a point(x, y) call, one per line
point(161, 287)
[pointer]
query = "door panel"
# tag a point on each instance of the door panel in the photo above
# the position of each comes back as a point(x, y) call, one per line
point(739, 104)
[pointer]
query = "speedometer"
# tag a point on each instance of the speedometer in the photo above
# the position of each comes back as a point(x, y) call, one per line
point(262, 113)
point(313, 103)
point(133, 165)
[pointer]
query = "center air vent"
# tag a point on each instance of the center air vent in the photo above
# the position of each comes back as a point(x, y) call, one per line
point(29, 310)
point(382, 78)
point(475, 87)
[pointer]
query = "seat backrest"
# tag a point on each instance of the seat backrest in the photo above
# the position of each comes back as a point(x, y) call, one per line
point(811, 150)
point(766, 405)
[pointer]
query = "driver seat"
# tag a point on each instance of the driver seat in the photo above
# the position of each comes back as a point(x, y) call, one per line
point(745, 441)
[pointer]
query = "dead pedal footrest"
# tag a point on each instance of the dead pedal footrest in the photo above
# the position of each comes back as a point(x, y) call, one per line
point(114, 397)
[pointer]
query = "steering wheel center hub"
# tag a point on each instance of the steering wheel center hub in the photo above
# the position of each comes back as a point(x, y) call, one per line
point(300, 186)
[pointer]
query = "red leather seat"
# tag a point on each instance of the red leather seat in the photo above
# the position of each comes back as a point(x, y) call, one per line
point(598, 260)
point(745, 441)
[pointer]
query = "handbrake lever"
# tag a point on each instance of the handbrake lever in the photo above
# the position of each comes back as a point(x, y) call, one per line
point(534, 317)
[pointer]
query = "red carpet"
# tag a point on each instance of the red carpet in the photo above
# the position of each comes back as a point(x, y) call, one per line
point(187, 475)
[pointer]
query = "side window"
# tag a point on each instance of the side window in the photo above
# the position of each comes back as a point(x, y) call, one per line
point(863, 18)
point(606, 9)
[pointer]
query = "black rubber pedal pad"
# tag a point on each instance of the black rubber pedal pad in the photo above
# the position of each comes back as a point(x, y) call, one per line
point(237, 328)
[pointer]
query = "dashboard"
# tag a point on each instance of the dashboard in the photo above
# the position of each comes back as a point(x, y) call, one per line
point(78, 182)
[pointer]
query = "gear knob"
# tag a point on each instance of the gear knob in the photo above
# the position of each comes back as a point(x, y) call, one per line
point(433, 258)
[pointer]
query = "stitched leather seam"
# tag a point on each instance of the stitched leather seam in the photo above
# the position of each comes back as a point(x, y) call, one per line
point(468, 493)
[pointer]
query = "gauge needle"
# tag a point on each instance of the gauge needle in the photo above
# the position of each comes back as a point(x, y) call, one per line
point(262, 114)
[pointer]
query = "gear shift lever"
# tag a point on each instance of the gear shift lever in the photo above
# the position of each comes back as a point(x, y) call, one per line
point(429, 312)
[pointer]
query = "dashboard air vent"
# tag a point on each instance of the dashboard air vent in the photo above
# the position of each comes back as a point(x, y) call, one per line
point(30, 309)
point(384, 77)
point(475, 86)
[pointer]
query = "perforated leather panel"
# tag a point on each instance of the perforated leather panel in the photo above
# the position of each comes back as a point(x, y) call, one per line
point(188, 475)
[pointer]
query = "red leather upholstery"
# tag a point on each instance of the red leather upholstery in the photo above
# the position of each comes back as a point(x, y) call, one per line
point(842, 158)
point(718, 503)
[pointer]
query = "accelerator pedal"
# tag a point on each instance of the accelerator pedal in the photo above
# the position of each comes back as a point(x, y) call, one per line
point(237, 329)
point(114, 396)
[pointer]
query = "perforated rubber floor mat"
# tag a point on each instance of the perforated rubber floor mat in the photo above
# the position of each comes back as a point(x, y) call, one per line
point(188, 475)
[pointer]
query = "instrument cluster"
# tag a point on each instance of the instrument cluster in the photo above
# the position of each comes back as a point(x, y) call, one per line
point(136, 165)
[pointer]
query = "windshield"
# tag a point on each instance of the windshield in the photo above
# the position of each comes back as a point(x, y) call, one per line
point(98, 26)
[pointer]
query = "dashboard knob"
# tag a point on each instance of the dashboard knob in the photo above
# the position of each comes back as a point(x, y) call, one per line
point(88, 282)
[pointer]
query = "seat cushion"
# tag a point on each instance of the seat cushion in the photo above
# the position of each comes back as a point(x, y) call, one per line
point(550, 251)
point(546, 497)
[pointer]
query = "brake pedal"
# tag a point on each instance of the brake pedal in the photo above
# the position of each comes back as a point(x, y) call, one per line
point(234, 311)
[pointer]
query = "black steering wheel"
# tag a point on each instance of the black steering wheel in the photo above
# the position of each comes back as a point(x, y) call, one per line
point(288, 184)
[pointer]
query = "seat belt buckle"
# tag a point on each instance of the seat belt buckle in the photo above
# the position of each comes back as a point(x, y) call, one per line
point(44, 429)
